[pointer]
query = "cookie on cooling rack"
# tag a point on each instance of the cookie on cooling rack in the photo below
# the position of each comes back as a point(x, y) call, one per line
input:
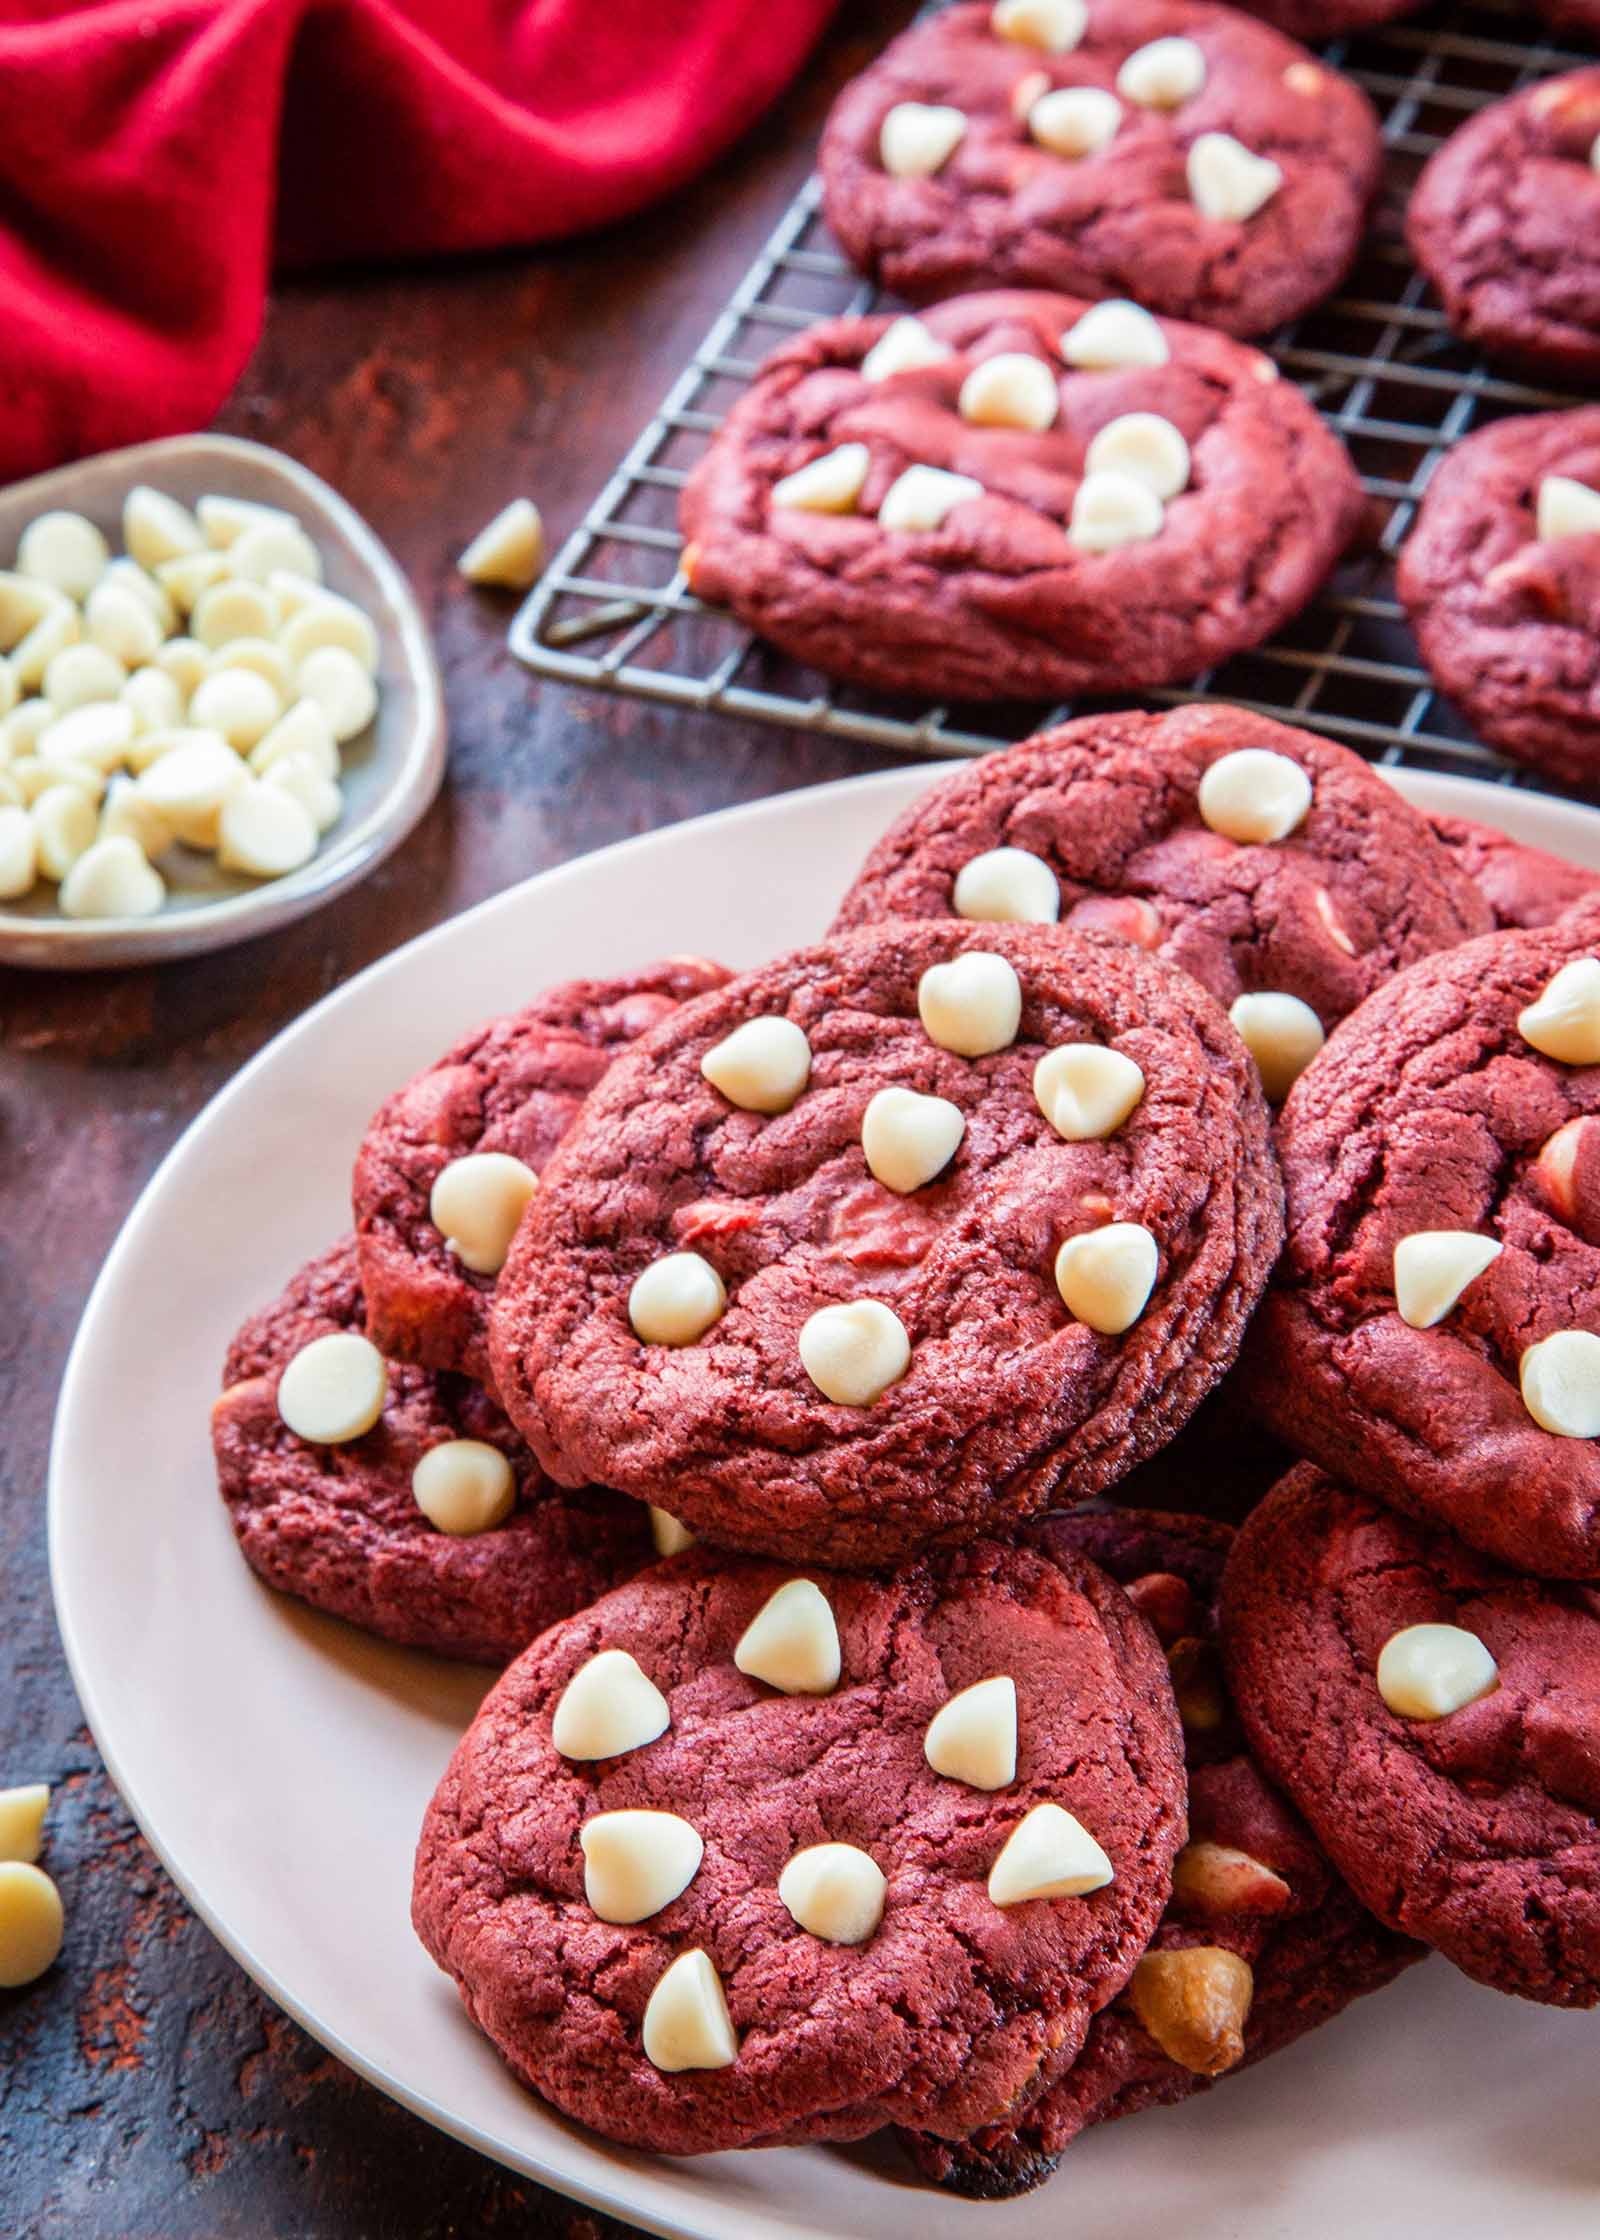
point(1505, 222)
point(451, 1159)
point(1523, 886)
point(1017, 496)
point(1437, 1720)
point(1183, 154)
point(394, 1497)
point(1431, 1331)
point(1501, 580)
point(1260, 1942)
point(1326, 19)
point(736, 1858)
point(894, 1241)
point(1274, 867)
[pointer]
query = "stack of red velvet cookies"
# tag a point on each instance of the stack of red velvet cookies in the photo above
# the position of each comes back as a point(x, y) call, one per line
point(795, 1376)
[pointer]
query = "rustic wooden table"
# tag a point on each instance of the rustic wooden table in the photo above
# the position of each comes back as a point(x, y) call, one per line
point(148, 2091)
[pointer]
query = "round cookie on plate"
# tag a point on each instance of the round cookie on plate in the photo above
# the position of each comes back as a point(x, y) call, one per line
point(395, 1497)
point(1437, 1720)
point(1260, 1942)
point(1501, 580)
point(1277, 869)
point(894, 1241)
point(1170, 150)
point(1505, 220)
point(1017, 496)
point(1431, 1332)
point(736, 1859)
point(1523, 886)
point(451, 1159)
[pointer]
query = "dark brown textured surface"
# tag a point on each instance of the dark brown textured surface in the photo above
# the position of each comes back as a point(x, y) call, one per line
point(999, 602)
point(149, 2091)
point(954, 2008)
point(1119, 222)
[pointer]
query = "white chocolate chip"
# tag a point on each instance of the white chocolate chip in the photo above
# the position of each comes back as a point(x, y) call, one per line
point(1074, 120)
point(509, 551)
point(973, 1738)
point(686, 2021)
point(22, 728)
point(904, 345)
point(188, 783)
point(676, 1300)
point(261, 657)
point(608, 1707)
point(1564, 1022)
point(917, 139)
point(264, 831)
point(342, 688)
point(792, 1642)
point(270, 547)
point(1145, 446)
point(972, 1005)
point(324, 619)
point(476, 1203)
point(854, 1353)
point(1007, 886)
point(155, 699)
point(24, 603)
point(670, 1537)
point(127, 815)
point(464, 1486)
point(22, 1813)
point(316, 792)
point(1164, 74)
point(99, 734)
point(56, 628)
point(10, 694)
point(82, 674)
point(113, 878)
point(1086, 1090)
point(1254, 795)
point(185, 661)
point(225, 520)
point(234, 610)
point(31, 1923)
point(120, 623)
point(64, 826)
point(304, 729)
point(239, 703)
point(127, 575)
point(1013, 389)
point(29, 778)
point(829, 484)
point(1048, 1854)
point(635, 1862)
point(64, 550)
point(191, 574)
point(1105, 1276)
point(1305, 78)
point(1432, 1267)
point(909, 1138)
point(763, 1066)
point(918, 500)
point(157, 530)
point(1111, 510)
point(834, 1891)
point(1227, 181)
point(1428, 1671)
point(1281, 1033)
point(1560, 1379)
point(1566, 509)
point(19, 851)
point(1055, 25)
point(295, 593)
point(334, 1389)
point(1114, 334)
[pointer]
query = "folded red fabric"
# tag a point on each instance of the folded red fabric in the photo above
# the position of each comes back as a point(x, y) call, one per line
point(158, 156)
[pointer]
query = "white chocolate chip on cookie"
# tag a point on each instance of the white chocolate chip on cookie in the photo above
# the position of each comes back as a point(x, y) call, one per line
point(1564, 1022)
point(855, 1352)
point(1013, 389)
point(1055, 25)
point(1163, 74)
point(908, 1138)
point(904, 345)
point(670, 1537)
point(763, 1066)
point(476, 1203)
point(1227, 181)
point(917, 501)
point(973, 1737)
point(830, 484)
point(464, 1486)
point(686, 2020)
point(1432, 1267)
point(1428, 1671)
point(1560, 1378)
point(1105, 1276)
point(637, 1861)
point(1254, 795)
point(1048, 1854)
point(917, 138)
point(972, 1005)
point(834, 1891)
point(792, 1642)
point(1113, 334)
point(1145, 446)
point(1281, 1033)
point(1111, 510)
point(1007, 886)
point(1566, 508)
point(608, 1707)
point(334, 1389)
point(1086, 1090)
point(1074, 121)
point(676, 1300)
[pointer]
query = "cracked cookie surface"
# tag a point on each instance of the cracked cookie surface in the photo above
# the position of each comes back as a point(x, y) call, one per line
point(954, 2007)
point(1478, 1832)
point(1523, 886)
point(998, 602)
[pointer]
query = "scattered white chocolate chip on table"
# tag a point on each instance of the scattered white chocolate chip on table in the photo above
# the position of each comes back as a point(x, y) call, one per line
point(792, 1642)
point(1282, 1034)
point(1433, 1267)
point(31, 1923)
point(635, 1861)
point(855, 1351)
point(22, 1813)
point(686, 2020)
point(1048, 1854)
point(608, 1707)
point(1428, 1671)
point(973, 1738)
point(834, 1890)
point(509, 552)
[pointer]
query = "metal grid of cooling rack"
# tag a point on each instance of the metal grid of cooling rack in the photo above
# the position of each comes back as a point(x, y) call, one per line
point(614, 612)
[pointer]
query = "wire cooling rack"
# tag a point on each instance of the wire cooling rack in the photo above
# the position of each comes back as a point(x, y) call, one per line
point(614, 612)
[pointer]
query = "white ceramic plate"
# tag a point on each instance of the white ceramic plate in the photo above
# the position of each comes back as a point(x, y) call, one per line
point(390, 773)
point(280, 1763)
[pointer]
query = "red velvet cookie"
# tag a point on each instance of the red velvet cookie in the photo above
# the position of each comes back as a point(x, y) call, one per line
point(1312, 20)
point(1505, 220)
point(339, 1525)
point(977, 515)
point(1273, 1943)
point(509, 1090)
point(1204, 164)
point(1523, 886)
point(1117, 827)
point(1501, 580)
point(1469, 1816)
point(1430, 1333)
point(865, 1296)
point(915, 1990)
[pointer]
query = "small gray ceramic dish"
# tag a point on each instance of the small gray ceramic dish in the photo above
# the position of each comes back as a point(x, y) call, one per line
point(391, 772)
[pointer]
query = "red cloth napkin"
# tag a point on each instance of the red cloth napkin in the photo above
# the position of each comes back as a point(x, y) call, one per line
point(158, 156)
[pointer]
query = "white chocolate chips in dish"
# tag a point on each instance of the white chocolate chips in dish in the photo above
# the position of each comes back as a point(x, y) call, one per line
point(192, 693)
